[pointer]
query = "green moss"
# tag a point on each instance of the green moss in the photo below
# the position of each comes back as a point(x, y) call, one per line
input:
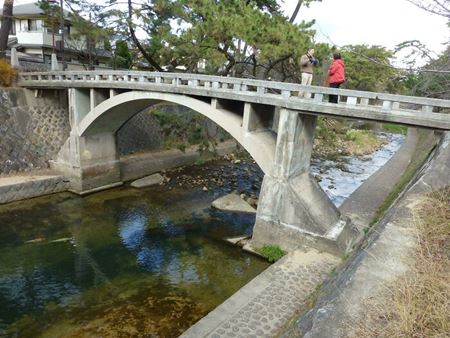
point(271, 252)
point(395, 128)
point(360, 137)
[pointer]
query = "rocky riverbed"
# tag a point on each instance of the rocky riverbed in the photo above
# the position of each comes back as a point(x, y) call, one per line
point(239, 174)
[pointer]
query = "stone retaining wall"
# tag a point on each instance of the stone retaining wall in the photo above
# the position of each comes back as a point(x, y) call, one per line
point(32, 129)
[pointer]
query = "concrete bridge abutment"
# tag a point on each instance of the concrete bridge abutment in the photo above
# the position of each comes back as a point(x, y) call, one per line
point(293, 210)
point(91, 162)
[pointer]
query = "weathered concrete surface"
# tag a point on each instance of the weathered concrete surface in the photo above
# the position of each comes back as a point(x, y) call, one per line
point(233, 203)
point(261, 307)
point(293, 210)
point(414, 111)
point(437, 171)
point(111, 114)
point(22, 187)
point(148, 181)
point(90, 163)
point(362, 205)
point(137, 165)
point(384, 258)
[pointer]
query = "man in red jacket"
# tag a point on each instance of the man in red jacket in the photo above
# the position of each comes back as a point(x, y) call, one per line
point(336, 75)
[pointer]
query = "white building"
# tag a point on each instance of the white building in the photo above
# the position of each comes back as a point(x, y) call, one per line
point(36, 37)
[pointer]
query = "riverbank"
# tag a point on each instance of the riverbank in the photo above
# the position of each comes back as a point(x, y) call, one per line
point(334, 143)
point(417, 304)
point(334, 139)
point(42, 182)
point(385, 257)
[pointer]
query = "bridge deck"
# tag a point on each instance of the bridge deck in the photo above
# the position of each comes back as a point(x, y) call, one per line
point(408, 110)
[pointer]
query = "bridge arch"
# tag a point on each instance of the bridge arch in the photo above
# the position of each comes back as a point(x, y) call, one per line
point(111, 114)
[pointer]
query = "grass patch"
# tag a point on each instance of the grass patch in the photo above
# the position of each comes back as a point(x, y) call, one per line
point(395, 128)
point(271, 252)
point(335, 139)
point(418, 304)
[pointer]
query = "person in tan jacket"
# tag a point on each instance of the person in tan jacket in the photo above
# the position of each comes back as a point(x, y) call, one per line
point(307, 63)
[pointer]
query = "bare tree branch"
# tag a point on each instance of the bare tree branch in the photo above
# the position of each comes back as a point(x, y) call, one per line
point(439, 7)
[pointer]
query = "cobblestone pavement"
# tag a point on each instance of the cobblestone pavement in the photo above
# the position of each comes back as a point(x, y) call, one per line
point(16, 188)
point(263, 306)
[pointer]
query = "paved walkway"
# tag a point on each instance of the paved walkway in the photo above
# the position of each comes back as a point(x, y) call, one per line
point(263, 306)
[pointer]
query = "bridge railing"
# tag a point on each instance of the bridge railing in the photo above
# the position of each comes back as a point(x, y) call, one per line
point(198, 84)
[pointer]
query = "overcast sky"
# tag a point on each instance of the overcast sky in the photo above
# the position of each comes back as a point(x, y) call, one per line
point(379, 22)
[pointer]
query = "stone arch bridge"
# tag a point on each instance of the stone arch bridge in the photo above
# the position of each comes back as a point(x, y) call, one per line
point(273, 121)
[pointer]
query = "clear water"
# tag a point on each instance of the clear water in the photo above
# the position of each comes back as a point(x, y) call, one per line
point(138, 263)
point(341, 178)
point(121, 263)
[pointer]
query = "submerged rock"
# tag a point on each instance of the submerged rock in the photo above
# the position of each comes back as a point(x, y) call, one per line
point(232, 202)
point(148, 181)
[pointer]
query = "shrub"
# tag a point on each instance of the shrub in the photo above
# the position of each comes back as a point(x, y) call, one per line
point(271, 252)
point(7, 74)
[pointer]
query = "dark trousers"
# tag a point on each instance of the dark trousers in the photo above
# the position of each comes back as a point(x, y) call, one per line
point(333, 98)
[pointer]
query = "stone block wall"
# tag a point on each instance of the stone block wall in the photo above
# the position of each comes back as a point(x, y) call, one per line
point(140, 133)
point(35, 125)
point(32, 129)
point(143, 132)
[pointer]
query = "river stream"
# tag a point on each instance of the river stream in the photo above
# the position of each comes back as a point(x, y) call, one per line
point(139, 263)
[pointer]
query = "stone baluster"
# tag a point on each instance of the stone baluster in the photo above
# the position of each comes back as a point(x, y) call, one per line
point(427, 109)
point(318, 97)
point(387, 105)
point(352, 100)
point(364, 101)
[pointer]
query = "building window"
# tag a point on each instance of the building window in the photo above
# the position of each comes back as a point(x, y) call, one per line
point(13, 28)
point(34, 25)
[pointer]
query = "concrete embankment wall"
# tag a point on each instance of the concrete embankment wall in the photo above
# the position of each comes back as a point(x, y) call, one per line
point(383, 258)
point(32, 129)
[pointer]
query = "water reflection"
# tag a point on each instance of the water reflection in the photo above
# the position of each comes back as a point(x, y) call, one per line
point(118, 263)
point(132, 262)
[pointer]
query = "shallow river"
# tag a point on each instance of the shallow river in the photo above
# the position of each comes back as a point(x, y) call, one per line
point(141, 263)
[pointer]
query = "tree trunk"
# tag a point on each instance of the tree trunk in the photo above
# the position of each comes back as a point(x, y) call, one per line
point(297, 8)
point(6, 25)
point(136, 41)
